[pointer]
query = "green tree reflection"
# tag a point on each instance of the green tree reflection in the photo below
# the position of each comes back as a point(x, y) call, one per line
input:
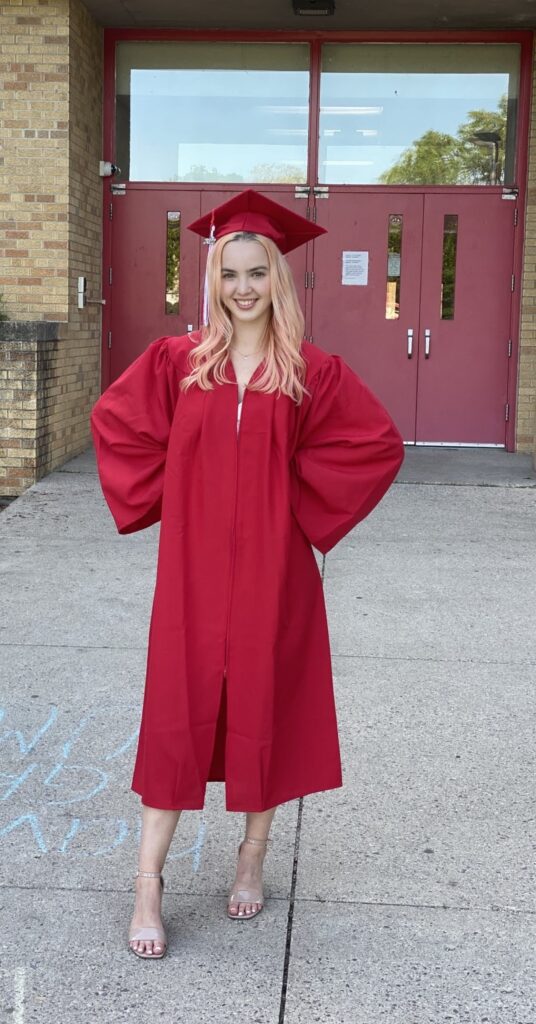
point(278, 173)
point(437, 158)
point(198, 172)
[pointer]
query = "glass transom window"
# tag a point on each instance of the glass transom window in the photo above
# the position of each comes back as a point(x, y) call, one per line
point(224, 112)
point(418, 114)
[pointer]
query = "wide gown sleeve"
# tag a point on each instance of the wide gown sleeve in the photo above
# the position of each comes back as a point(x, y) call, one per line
point(130, 424)
point(347, 455)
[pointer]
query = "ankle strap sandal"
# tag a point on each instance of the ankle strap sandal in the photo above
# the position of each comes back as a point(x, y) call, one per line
point(150, 874)
point(144, 935)
point(251, 896)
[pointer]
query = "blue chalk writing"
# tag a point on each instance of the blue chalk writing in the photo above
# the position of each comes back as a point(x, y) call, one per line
point(68, 745)
point(58, 769)
point(16, 780)
point(124, 747)
point(26, 747)
point(33, 822)
point(50, 781)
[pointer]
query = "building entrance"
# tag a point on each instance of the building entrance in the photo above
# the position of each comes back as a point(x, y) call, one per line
point(412, 289)
point(407, 151)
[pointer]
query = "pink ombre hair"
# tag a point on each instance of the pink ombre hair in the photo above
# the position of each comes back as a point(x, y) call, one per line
point(285, 367)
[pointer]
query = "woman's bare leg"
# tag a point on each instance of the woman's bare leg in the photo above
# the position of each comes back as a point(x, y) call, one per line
point(157, 829)
point(251, 857)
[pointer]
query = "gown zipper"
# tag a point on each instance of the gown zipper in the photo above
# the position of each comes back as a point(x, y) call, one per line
point(233, 537)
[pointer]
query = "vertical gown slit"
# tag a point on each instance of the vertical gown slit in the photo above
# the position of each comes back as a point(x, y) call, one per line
point(217, 764)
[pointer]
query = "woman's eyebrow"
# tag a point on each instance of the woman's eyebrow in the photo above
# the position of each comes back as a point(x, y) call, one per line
point(229, 270)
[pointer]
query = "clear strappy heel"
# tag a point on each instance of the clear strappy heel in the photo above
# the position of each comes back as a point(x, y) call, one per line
point(149, 934)
point(247, 895)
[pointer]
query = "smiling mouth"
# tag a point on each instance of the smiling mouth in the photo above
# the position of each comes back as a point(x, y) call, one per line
point(245, 303)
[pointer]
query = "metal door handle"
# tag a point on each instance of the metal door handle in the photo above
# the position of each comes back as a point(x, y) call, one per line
point(410, 342)
point(427, 336)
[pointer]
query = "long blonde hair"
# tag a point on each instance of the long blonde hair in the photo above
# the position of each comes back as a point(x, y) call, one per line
point(285, 367)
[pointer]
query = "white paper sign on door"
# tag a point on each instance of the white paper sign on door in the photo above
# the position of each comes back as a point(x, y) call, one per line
point(354, 268)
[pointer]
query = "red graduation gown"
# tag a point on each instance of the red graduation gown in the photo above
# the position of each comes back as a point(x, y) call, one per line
point(239, 684)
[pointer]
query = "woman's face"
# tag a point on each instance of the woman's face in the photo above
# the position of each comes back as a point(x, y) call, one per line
point(245, 282)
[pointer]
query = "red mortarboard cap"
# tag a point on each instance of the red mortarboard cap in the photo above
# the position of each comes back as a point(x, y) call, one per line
point(251, 211)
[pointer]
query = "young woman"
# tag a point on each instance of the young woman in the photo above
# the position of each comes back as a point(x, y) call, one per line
point(249, 445)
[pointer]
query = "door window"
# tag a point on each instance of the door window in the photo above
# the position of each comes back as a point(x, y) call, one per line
point(394, 265)
point(225, 112)
point(173, 261)
point(448, 268)
point(418, 114)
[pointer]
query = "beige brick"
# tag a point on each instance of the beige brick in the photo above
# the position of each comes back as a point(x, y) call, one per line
point(51, 206)
point(526, 396)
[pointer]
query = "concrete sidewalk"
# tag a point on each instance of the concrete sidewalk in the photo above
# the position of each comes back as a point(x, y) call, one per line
point(406, 897)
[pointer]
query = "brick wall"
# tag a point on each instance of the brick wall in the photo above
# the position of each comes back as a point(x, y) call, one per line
point(50, 216)
point(28, 355)
point(77, 369)
point(34, 64)
point(526, 393)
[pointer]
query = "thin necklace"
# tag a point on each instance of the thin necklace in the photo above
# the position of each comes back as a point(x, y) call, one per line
point(248, 355)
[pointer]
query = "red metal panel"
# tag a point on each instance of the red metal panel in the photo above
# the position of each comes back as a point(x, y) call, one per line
point(462, 383)
point(139, 228)
point(351, 319)
point(320, 35)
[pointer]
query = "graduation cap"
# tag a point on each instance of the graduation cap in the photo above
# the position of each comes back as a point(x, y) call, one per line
point(251, 211)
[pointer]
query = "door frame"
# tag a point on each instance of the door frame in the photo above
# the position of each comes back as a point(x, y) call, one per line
point(316, 39)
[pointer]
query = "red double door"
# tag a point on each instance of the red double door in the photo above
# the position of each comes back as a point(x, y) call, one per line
point(413, 290)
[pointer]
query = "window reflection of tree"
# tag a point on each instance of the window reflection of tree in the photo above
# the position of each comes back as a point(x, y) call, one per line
point(437, 158)
point(198, 172)
point(275, 173)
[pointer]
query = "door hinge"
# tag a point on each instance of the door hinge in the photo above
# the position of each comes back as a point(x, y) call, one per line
point(321, 191)
point(509, 347)
point(513, 282)
point(118, 189)
point(109, 339)
point(312, 278)
point(109, 275)
point(301, 191)
point(507, 412)
point(110, 211)
point(310, 338)
point(516, 216)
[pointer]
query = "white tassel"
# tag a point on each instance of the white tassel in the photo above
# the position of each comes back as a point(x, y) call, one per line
point(210, 242)
point(205, 295)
